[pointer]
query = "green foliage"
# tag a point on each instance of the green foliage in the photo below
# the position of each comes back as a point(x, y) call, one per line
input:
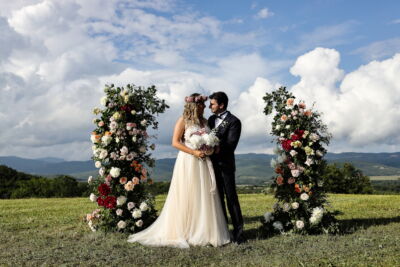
point(346, 180)
point(301, 136)
point(9, 179)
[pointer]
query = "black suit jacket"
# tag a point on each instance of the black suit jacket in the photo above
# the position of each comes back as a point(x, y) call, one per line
point(228, 133)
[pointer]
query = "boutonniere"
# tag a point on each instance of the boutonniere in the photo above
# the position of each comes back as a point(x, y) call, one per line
point(223, 124)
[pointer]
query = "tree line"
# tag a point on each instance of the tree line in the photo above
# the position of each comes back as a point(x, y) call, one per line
point(343, 179)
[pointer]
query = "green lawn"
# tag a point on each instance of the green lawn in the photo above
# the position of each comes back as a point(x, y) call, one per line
point(51, 232)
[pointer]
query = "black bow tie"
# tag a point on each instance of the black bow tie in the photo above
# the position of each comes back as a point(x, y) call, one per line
point(219, 116)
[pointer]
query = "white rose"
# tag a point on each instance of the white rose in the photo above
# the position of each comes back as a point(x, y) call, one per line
point(130, 205)
point(278, 225)
point(277, 127)
point(319, 153)
point(90, 179)
point(282, 134)
point(304, 197)
point(299, 224)
point(137, 213)
point(115, 172)
point(295, 173)
point(295, 205)
point(134, 139)
point(287, 126)
point(268, 216)
point(124, 150)
point(93, 197)
point(142, 149)
point(102, 171)
point(103, 101)
point(119, 212)
point(103, 154)
point(139, 223)
point(121, 200)
point(314, 137)
point(143, 206)
point(97, 164)
point(121, 224)
point(143, 122)
point(293, 153)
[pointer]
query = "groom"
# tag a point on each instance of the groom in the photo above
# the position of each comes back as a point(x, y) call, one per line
point(228, 129)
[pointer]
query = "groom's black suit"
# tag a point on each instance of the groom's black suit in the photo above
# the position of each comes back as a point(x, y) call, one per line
point(228, 133)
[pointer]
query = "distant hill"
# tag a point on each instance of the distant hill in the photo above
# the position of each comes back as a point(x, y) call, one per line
point(251, 168)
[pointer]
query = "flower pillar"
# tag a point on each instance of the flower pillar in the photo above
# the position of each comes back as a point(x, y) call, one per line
point(300, 137)
point(121, 147)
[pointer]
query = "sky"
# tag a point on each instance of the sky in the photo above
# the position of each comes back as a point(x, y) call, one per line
point(57, 55)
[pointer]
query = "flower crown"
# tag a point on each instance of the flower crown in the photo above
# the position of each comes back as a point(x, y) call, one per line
point(196, 99)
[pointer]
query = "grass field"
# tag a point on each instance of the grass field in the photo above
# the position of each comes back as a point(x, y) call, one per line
point(51, 232)
point(385, 178)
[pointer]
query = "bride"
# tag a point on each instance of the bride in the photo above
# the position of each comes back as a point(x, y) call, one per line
point(192, 213)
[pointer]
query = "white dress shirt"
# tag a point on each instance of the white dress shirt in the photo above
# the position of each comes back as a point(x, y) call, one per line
point(218, 121)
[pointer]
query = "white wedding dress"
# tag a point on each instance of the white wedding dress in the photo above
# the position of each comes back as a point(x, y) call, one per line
point(192, 213)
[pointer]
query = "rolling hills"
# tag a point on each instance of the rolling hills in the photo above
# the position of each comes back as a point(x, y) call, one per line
point(251, 168)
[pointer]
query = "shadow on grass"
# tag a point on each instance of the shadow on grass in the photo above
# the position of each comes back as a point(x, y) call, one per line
point(350, 226)
point(347, 226)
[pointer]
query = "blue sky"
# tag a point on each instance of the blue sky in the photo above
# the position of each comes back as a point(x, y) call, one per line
point(55, 56)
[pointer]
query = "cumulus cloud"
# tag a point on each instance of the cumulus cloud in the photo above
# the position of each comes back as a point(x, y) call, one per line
point(264, 13)
point(360, 107)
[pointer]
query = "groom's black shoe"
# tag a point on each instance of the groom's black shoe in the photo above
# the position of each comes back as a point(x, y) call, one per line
point(240, 240)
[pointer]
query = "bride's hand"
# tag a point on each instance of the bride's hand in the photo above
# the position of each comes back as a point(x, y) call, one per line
point(199, 154)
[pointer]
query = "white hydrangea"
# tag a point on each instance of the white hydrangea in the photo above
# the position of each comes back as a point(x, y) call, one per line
point(273, 163)
point(268, 216)
point(210, 139)
point(115, 172)
point(137, 213)
point(278, 225)
point(103, 101)
point(106, 140)
point(286, 207)
point(196, 140)
point(316, 215)
point(121, 200)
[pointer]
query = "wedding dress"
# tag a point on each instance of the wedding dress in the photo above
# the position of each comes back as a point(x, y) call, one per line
point(192, 213)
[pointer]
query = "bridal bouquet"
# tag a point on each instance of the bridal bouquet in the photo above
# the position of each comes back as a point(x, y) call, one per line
point(204, 141)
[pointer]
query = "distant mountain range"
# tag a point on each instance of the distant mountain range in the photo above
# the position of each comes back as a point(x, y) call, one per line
point(251, 168)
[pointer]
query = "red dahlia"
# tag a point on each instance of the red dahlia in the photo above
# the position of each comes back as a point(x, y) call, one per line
point(110, 202)
point(104, 189)
point(286, 144)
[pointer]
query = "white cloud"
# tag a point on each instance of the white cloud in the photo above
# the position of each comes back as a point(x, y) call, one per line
point(396, 21)
point(264, 13)
point(363, 109)
point(379, 50)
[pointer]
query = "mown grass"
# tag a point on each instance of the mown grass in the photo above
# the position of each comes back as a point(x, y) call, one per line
point(51, 232)
point(385, 178)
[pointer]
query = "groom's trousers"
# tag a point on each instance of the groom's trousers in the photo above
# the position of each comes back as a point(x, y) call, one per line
point(225, 178)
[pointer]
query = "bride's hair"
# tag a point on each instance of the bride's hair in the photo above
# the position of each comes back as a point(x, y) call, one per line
point(190, 114)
